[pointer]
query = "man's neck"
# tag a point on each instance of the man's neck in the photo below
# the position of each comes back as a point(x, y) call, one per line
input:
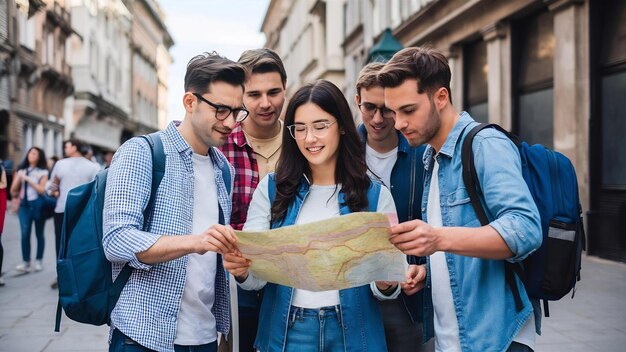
point(256, 132)
point(385, 145)
point(449, 118)
point(185, 130)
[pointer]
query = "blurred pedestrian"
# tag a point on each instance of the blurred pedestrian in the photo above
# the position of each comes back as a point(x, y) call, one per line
point(3, 212)
point(51, 162)
point(107, 157)
point(28, 186)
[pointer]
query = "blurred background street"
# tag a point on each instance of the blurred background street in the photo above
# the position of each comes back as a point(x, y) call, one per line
point(595, 320)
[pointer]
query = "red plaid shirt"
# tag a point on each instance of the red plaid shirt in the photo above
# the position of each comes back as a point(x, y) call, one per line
point(240, 154)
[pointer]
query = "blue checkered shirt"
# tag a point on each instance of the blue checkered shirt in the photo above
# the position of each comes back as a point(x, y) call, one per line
point(148, 306)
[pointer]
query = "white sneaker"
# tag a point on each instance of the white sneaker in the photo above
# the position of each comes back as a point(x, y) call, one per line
point(38, 266)
point(1, 282)
point(23, 268)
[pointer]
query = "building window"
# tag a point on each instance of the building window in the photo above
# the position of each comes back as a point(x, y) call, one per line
point(533, 67)
point(50, 48)
point(475, 80)
point(612, 72)
point(26, 29)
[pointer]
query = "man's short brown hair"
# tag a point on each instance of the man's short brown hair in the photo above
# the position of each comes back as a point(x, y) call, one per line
point(263, 61)
point(206, 68)
point(428, 66)
point(368, 77)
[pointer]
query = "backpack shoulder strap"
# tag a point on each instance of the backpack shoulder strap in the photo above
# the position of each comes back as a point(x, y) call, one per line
point(472, 184)
point(158, 166)
point(470, 177)
point(158, 171)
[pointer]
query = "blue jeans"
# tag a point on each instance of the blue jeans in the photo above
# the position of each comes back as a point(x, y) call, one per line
point(313, 330)
point(123, 343)
point(25, 214)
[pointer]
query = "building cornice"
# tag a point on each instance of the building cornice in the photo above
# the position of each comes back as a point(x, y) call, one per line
point(103, 106)
point(493, 31)
point(354, 35)
point(558, 5)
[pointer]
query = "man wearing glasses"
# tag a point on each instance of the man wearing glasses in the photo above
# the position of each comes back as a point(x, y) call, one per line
point(176, 298)
point(253, 149)
point(398, 166)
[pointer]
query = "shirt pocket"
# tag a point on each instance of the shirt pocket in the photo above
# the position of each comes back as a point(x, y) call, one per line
point(460, 211)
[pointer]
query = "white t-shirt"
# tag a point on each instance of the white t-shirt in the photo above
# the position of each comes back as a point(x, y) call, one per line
point(35, 174)
point(71, 172)
point(196, 323)
point(381, 164)
point(445, 320)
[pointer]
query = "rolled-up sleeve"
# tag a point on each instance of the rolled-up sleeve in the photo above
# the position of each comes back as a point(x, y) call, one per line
point(506, 194)
point(129, 184)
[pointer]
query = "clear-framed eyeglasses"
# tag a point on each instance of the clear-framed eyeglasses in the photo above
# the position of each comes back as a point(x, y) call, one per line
point(369, 110)
point(299, 131)
point(222, 111)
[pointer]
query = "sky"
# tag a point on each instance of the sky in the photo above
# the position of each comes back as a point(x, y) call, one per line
point(228, 27)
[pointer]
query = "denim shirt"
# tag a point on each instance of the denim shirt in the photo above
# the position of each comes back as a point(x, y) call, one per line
point(360, 311)
point(147, 309)
point(407, 196)
point(484, 303)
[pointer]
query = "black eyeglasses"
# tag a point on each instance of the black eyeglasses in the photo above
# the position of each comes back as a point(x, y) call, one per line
point(319, 129)
point(222, 111)
point(369, 110)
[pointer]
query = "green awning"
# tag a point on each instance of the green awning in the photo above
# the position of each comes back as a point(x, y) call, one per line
point(385, 48)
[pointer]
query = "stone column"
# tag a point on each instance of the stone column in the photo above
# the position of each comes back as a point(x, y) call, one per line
point(455, 60)
point(498, 39)
point(571, 87)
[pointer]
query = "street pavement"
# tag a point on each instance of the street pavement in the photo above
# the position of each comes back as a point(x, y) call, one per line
point(595, 320)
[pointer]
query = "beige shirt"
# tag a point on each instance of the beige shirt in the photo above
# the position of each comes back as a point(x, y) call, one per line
point(266, 152)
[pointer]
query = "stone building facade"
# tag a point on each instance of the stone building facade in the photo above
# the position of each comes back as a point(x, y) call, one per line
point(551, 71)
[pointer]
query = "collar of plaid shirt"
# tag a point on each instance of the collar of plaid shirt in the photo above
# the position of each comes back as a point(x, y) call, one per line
point(241, 156)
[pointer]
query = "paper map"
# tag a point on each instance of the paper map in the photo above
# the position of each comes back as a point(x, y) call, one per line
point(342, 252)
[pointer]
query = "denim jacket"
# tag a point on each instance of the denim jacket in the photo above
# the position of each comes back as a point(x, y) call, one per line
point(484, 304)
point(360, 312)
point(407, 195)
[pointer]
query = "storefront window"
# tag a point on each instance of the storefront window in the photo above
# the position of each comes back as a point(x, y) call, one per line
point(533, 67)
point(476, 80)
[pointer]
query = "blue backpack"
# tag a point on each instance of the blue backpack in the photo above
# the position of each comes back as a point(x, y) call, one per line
point(87, 291)
point(553, 269)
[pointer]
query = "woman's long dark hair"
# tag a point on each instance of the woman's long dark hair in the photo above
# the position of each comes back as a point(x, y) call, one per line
point(351, 169)
point(41, 161)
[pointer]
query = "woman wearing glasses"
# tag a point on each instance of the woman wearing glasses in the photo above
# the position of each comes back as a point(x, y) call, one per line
point(321, 174)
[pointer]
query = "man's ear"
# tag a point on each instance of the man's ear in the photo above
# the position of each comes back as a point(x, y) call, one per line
point(188, 100)
point(357, 98)
point(441, 98)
